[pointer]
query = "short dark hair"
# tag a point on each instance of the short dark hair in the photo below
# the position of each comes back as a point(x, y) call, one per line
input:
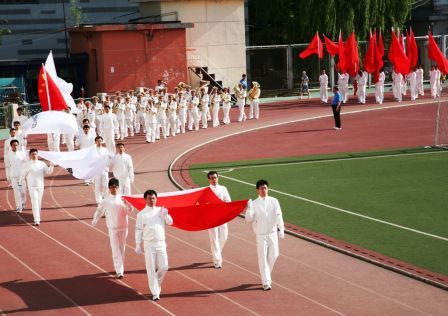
point(13, 141)
point(86, 126)
point(113, 182)
point(85, 120)
point(106, 106)
point(16, 122)
point(98, 137)
point(33, 150)
point(260, 183)
point(19, 109)
point(120, 144)
point(149, 192)
point(335, 88)
point(12, 129)
point(210, 173)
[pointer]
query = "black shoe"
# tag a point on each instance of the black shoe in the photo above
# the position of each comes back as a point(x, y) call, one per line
point(36, 224)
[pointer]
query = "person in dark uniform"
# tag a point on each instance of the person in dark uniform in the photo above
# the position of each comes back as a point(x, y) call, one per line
point(336, 107)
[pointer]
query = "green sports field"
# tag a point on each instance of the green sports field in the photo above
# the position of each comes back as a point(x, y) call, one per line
point(393, 202)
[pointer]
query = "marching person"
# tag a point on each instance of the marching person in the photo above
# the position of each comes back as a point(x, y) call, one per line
point(172, 116)
point(194, 113)
point(123, 169)
point(396, 86)
point(241, 94)
point(7, 144)
point(215, 97)
point(14, 162)
point(413, 84)
point(265, 215)
point(226, 98)
point(323, 84)
point(129, 116)
point(108, 125)
point(161, 118)
point(304, 85)
point(218, 235)
point(343, 86)
point(19, 117)
point(336, 107)
point(85, 140)
point(100, 181)
point(421, 90)
point(150, 228)
point(182, 109)
point(379, 87)
point(254, 100)
point(33, 171)
point(438, 83)
point(362, 84)
point(205, 99)
point(116, 210)
point(151, 122)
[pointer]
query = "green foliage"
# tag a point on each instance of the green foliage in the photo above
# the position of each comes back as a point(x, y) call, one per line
point(76, 13)
point(3, 30)
point(289, 21)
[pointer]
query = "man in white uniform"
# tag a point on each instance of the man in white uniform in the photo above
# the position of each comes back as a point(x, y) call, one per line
point(432, 81)
point(7, 144)
point(19, 117)
point(150, 227)
point(362, 84)
point(123, 169)
point(420, 89)
point(193, 110)
point(100, 181)
point(116, 210)
point(241, 94)
point(33, 171)
point(14, 162)
point(265, 215)
point(108, 124)
point(218, 235)
point(413, 84)
point(379, 88)
point(397, 83)
point(323, 83)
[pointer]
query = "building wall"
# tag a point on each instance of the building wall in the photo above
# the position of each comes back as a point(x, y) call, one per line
point(38, 25)
point(217, 40)
point(146, 57)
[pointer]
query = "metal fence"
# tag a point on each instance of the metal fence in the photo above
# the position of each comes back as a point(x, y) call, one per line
point(278, 67)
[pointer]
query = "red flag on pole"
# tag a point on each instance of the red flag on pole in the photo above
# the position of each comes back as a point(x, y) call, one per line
point(397, 56)
point(379, 53)
point(351, 55)
point(332, 47)
point(194, 210)
point(50, 96)
point(369, 58)
point(315, 47)
point(341, 61)
point(411, 49)
point(436, 55)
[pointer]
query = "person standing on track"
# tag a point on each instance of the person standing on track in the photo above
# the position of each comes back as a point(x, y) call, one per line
point(15, 159)
point(336, 107)
point(265, 215)
point(218, 235)
point(116, 210)
point(150, 228)
point(123, 169)
point(33, 171)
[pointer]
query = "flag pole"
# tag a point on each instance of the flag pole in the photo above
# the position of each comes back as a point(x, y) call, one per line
point(46, 87)
point(318, 52)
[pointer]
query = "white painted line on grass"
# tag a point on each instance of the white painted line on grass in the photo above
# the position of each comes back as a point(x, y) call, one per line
point(343, 210)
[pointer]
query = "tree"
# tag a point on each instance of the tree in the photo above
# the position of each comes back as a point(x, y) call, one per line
point(296, 21)
point(3, 30)
point(76, 13)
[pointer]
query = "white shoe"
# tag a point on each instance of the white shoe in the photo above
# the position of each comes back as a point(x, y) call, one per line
point(218, 265)
point(266, 287)
point(155, 297)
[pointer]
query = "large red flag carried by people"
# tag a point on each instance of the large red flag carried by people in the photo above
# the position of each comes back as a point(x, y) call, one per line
point(379, 53)
point(332, 47)
point(341, 61)
point(397, 56)
point(50, 96)
point(195, 209)
point(411, 49)
point(369, 58)
point(351, 55)
point(315, 47)
point(436, 55)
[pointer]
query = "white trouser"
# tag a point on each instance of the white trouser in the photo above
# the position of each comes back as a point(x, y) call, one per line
point(362, 94)
point(118, 245)
point(108, 137)
point(379, 94)
point(36, 194)
point(172, 120)
point(162, 123)
point(156, 260)
point(129, 125)
point(124, 186)
point(98, 126)
point(56, 142)
point(151, 132)
point(182, 120)
point(323, 94)
point(122, 127)
point(420, 89)
point(140, 120)
point(254, 110)
point(242, 115)
point(193, 120)
point(226, 113)
point(218, 237)
point(215, 115)
point(101, 188)
point(204, 117)
point(414, 91)
point(267, 251)
point(19, 192)
point(397, 92)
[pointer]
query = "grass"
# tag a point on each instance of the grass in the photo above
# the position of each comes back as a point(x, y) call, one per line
point(404, 187)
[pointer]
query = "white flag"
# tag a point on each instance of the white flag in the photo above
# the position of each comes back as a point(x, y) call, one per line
point(85, 163)
point(51, 122)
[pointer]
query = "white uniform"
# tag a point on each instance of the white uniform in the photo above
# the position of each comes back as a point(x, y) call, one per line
point(108, 124)
point(129, 115)
point(33, 171)
point(172, 118)
point(226, 98)
point(379, 88)
point(100, 181)
point(19, 118)
point(7, 147)
point(194, 113)
point(161, 118)
point(362, 84)
point(140, 115)
point(205, 99)
point(98, 108)
point(218, 235)
point(420, 89)
point(151, 123)
point(397, 82)
point(121, 119)
point(254, 110)
point(240, 102)
point(14, 163)
point(116, 212)
point(438, 84)
point(150, 227)
point(323, 83)
point(54, 140)
point(215, 110)
point(343, 86)
point(182, 113)
point(266, 217)
point(413, 85)
point(123, 170)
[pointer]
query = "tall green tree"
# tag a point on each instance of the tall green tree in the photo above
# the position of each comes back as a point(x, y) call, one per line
point(296, 21)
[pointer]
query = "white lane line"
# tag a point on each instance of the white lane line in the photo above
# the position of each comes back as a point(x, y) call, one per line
point(342, 210)
point(43, 279)
point(261, 165)
point(87, 260)
point(170, 168)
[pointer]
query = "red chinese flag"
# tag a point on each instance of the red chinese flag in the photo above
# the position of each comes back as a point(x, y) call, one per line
point(47, 88)
point(436, 55)
point(380, 45)
point(341, 61)
point(351, 55)
point(411, 49)
point(332, 47)
point(194, 210)
point(379, 53)
point(315, 47)
point(397, 56)
point(369, 58)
